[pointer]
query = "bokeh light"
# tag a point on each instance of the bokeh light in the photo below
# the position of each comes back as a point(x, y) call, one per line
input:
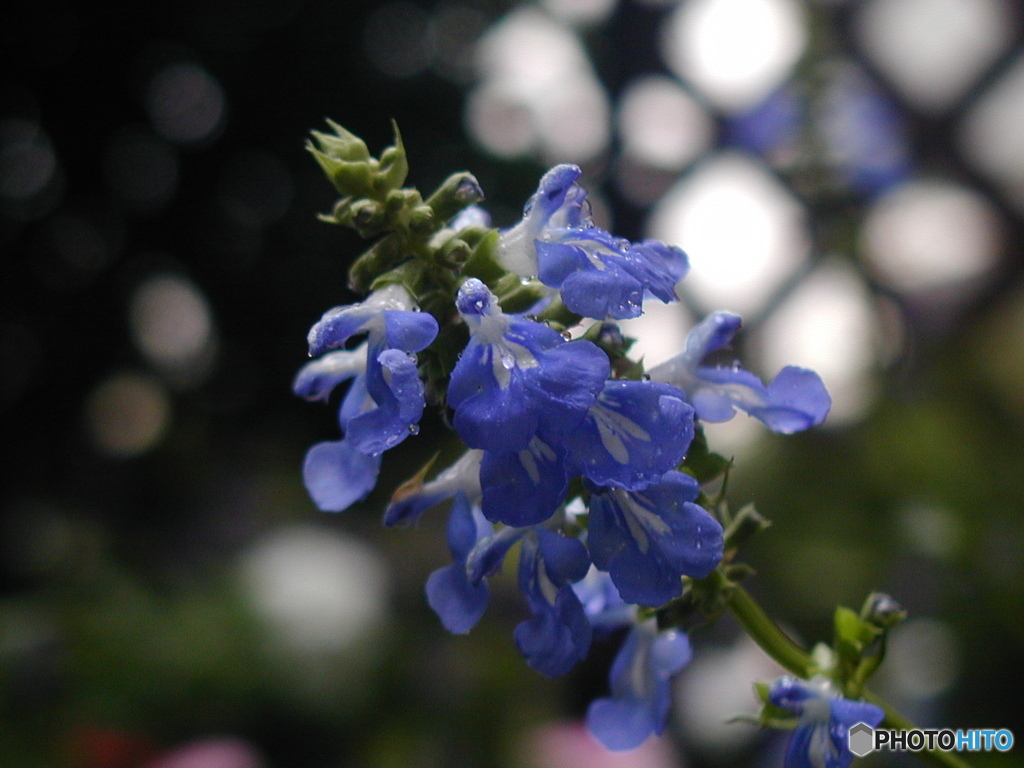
point(931, 234)
point(185, 103)
point(734, 51)
point(210, 753)
point(538, 92)
point(173, 328)
point(319, 590)
point(580, 11)
point(745, 233)
point(991, 134)
point(923, 658)
point(933, 50)
point(661, 125)
point(127, 414)
point(715, 690)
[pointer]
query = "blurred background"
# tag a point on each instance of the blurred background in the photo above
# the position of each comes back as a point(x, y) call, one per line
point(849, 176)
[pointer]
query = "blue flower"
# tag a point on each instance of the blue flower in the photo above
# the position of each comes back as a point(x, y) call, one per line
point(384, 401)
point(524, 487)
point(516, 375)
point(640, 687)
point(794, 400)
point(634, 433)
point(558, 634)
point(649, 539)
point(599, 275)
point(820, 738)
point(458, 600)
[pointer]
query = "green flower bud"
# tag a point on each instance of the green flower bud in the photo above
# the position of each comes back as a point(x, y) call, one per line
point(458, 191)
point(394, 165)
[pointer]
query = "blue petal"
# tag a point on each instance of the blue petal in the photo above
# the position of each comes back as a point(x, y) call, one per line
point(337, 475)
point(640, 688)
point(515, 373)
point(457, 601)
point(647, 540)
point(795, 400)
point(318, 378)
point(846, 713)
point(635, 432)
point(601, 294)
point(811, 747)
point(488, 415)
point(670, 652)
point(820, 738)
point(395, 386)
point(337, 326)
point(523, 487)
point(564, 557)
point(409, 331)
point(465, 529)
point(558, 634)
point(600, 275)
point(620, 724)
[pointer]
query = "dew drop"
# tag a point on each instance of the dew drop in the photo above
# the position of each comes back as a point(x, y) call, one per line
point(414, 429)
point(566, 335)
point(646, 377)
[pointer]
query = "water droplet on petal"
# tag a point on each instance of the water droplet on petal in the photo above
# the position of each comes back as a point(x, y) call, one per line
point(646, 377)
point(414, 429)
point(566, 335)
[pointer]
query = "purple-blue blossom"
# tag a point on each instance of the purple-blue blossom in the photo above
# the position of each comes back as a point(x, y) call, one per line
point(516, 375)
point(640, 682)
point(383, 403)
point(598, 275)
point(649, 539)
point(634, 433)
point(820, 737)
point(795, 400)
point(458, 600)
point(557, 635)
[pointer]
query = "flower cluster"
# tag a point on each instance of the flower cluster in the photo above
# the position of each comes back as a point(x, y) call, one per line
point(572, 454)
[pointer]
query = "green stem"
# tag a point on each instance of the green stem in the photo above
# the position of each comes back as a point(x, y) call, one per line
point(767, 635)
point(792, 657)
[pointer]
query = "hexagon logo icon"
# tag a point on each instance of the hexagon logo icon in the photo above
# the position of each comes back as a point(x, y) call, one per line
point(861, 739)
